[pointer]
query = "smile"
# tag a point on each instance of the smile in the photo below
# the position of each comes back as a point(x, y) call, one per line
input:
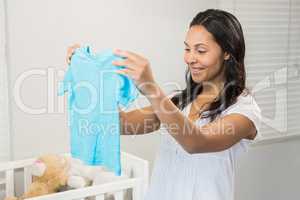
point(197, 70)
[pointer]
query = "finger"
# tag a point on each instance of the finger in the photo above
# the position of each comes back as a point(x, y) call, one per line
point(121, 72)
point(76, 46)
point(127, 54)
point(68, 60)
point(71, 51)
point(72, 48)
point(125, 72)
point(124, 63)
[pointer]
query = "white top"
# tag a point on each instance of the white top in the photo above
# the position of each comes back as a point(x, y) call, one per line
point(178, 175)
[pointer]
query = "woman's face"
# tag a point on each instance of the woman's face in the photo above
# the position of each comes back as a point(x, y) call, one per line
point(204, 56)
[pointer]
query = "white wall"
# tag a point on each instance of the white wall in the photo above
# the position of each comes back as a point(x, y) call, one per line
point(270, 171)
point(4, 108)
point(39, 33)
point(4, 103)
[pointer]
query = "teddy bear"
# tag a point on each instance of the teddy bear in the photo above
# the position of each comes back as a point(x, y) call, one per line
point(49, 175)
point(55, 173)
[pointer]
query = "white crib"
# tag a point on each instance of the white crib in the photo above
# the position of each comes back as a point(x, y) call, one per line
point(136, 168)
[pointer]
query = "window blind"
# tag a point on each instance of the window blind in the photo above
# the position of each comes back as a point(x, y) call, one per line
point(4, 114)
point(272, 34)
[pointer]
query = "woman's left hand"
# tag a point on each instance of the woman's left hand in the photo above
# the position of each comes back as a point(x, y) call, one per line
point(138, 68)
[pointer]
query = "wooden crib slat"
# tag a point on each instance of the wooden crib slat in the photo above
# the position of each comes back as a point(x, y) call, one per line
point(140, 169)
point(96, 190)
point(2, 181)
point(134, 167)
point(119, 195)
point(100, 197)
point(137, 192)
point(27, 178)
point(9, 183)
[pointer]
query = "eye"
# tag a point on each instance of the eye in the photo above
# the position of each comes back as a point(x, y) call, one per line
point(187, 50)
point(201, 51)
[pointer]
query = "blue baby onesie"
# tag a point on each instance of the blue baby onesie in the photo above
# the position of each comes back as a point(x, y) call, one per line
point(95, 93)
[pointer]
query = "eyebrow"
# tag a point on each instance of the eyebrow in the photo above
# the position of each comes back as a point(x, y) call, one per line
point(196, 45)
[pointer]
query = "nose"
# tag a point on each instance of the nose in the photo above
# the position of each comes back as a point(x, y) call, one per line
point(190, 58)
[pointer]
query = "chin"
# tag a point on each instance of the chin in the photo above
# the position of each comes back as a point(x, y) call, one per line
point(198, 79)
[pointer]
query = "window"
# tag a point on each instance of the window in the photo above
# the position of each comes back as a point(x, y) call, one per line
point(272, 34)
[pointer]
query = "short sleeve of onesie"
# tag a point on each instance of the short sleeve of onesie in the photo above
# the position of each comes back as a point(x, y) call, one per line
point(127, 91)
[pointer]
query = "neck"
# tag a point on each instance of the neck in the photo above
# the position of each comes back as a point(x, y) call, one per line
point(212, 89)
point(214, 86)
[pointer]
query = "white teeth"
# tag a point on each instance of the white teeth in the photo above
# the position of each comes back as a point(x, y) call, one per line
point(196, 71)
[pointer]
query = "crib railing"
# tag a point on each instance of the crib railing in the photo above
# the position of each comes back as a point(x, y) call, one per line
point(136, 168)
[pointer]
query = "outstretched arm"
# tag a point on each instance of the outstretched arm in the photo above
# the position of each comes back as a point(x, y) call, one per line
point(216, 136)
point(139, 121)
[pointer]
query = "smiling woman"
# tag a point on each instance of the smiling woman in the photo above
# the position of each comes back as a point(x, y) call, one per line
point(207, 124)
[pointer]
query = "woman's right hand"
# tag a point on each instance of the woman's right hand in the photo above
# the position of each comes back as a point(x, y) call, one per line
point(71, 51)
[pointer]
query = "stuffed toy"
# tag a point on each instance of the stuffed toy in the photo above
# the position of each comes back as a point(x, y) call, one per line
point(49, 175)
point(82, 175)
point(54, 173)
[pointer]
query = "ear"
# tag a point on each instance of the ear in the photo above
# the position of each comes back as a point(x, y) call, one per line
point(226, 56)
point(38, 168)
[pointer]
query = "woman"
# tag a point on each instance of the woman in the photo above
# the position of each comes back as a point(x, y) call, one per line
point(208, 123)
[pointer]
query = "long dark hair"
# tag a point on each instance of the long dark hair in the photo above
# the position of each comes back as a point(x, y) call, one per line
point(228, 33)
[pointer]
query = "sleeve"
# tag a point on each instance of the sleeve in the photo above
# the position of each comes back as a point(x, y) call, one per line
point(127, 91)
point(248, 107)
